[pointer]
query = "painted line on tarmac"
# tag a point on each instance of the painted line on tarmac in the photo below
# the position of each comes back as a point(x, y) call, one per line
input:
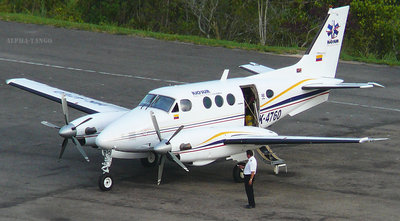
point(367, 106)
point(156, 79)
point(90, 71)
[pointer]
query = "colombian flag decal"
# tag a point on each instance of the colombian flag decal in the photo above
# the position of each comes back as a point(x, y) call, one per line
point(176, 116)
point(318, 57)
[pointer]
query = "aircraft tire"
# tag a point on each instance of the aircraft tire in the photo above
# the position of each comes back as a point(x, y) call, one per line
point(106, 182)
point(150, 161)
point(238, 175)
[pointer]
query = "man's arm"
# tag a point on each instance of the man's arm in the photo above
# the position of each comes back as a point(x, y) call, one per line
point(251, 178)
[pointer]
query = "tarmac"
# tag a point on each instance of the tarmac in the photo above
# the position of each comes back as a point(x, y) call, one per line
point(323, 182)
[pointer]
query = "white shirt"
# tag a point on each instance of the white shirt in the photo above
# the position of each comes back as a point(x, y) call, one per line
point(251, 166)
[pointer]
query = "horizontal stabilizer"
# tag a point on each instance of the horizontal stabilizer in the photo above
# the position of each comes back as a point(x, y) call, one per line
point(255, 140)
point(317, 86)
point(255, 68)
point(76, 101)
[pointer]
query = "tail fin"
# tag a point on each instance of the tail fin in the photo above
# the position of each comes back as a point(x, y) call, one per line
point(322, 57)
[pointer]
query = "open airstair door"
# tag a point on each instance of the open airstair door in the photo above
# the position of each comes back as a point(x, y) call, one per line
point(269, 157)
point(251, 105)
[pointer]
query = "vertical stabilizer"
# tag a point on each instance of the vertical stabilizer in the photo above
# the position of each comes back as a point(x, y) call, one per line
point(322, 57)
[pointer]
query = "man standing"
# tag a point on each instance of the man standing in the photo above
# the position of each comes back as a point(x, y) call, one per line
point(249, 175)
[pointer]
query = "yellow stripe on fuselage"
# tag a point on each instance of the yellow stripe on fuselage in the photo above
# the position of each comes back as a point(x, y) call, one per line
point(220, 134)
point(285, 91)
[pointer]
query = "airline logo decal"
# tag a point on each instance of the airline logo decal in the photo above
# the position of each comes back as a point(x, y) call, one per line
point(332, 32)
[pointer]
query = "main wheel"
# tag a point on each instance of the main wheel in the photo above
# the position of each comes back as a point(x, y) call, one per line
point(238, 175)
point(150, 161)
point(105, 182)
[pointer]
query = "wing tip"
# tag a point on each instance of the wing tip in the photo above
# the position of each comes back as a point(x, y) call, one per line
point(367, 139)
point(374, 84)
point(11, 80)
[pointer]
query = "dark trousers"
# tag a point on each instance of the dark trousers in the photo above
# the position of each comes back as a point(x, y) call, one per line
point(249, 190)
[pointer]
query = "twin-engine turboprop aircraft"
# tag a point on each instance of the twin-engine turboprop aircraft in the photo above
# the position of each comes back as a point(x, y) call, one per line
point(198, 123)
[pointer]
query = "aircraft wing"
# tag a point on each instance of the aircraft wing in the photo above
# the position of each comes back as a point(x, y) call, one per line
point(262, 140)
point(256, 68)
point(317, 86)
point(76, 101)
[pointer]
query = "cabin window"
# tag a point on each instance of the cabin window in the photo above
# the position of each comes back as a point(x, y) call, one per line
point(230, 99)
point(219, 101)
point(186, 105)
point(207, 102)
point(269, 93)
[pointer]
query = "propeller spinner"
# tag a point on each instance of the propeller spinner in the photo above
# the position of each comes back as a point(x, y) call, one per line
point(68, 131)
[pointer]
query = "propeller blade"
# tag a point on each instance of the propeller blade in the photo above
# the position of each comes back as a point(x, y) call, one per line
point(178, 161)
point(79, 147)
point(82, 123)
point(64, 144)
point(48, 124)
point(155, 124)
point(64, 106)
point(173, 135)
point(160, 169)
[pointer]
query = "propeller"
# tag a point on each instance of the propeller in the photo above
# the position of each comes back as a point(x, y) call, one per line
point(164, 148)
point(68, 131)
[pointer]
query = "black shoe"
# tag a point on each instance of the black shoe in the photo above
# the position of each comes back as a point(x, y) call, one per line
point(249, 207)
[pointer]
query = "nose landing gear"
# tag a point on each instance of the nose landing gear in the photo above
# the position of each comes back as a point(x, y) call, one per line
point(105, 179)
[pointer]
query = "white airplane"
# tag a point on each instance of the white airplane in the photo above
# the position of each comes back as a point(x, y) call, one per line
point(198, 123)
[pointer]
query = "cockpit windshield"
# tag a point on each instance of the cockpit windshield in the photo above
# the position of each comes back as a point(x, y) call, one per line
point(157, 101)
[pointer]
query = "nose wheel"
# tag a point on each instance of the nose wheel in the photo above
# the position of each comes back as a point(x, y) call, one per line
point(105, 179)
point(105, 182)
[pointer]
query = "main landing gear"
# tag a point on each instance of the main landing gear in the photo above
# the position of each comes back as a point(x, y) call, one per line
point(105, 179)
point(238, 175)
point(267, 156)
point(150, 161)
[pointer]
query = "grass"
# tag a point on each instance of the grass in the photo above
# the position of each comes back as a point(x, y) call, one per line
point(31, 19)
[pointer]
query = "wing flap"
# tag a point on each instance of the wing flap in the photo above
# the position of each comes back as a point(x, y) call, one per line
point(259, 140)
point(76, 101)
point(317, 86)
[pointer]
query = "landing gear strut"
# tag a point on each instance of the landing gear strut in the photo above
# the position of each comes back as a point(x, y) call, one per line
point(105, 179)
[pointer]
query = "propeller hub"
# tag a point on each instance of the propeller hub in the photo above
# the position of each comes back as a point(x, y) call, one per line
point(162, 147)
point(67, 131)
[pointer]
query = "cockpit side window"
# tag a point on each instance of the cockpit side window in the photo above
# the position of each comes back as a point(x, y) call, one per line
point(186, 105)
point(175, 109)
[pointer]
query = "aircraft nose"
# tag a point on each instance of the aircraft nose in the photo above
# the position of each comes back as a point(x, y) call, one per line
point(104, 142)
point(67, 131)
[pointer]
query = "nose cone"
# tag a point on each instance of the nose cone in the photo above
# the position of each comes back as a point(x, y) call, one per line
point(67, 131)
point(128, 133)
